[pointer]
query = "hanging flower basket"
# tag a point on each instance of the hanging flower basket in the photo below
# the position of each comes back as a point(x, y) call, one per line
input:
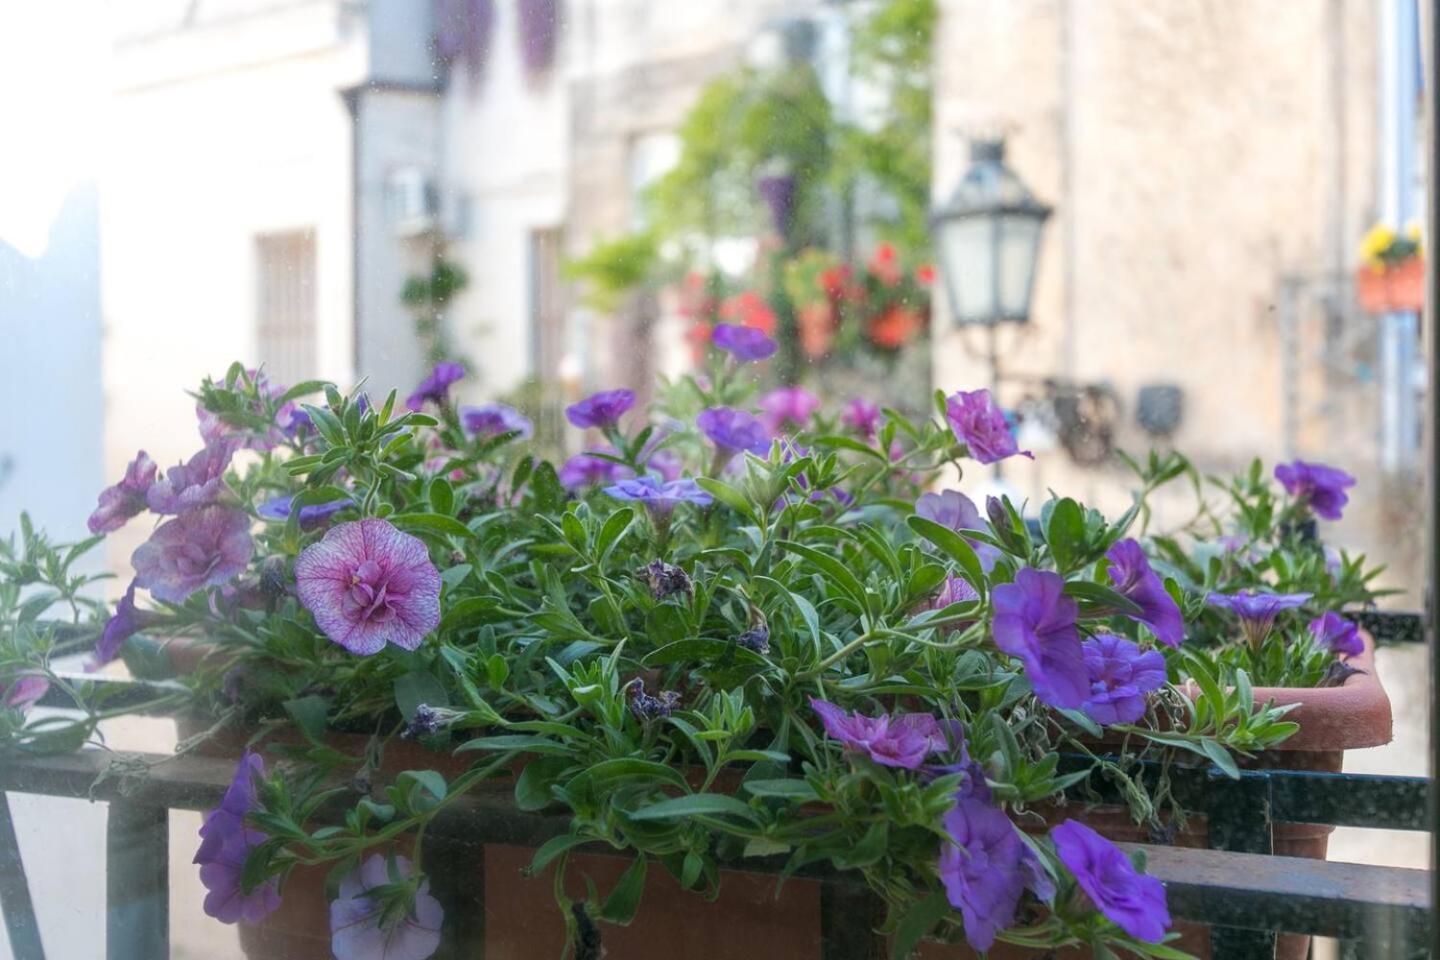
point(1390, 288)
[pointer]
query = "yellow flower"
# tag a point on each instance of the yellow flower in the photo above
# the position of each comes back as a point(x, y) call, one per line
point(1379, 240)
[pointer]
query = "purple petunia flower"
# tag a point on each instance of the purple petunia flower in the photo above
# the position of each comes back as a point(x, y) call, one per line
point(954, 590)
point(986, 867)
point(1336, 634)
point(369, 584)
point(494, 419)
point(979, 424)
point(1120, 676)
point(200, 548)
point(361, 926)
point(955, 511)
point(587, 470)
point(1130, 572)
point(311, 516)
point(1257, 611)
point(1320, 487)
point(1035, 622)
point(743, 343)
point(600, 410)
point(193, 484)
point(862, 417)
point(436, 387)
point(1135, 902)
point(660, 496)
point(25, 690)
point(127, 621)
point(126, 498)
point(225, 841)
point(784, 406)
point(214, 429)
point(902, 741)
point(733, 430)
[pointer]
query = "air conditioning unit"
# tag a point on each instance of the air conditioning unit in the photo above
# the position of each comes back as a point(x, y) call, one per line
point(412, 202)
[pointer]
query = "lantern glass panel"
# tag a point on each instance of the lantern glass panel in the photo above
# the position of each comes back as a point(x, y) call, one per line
point(968, 251)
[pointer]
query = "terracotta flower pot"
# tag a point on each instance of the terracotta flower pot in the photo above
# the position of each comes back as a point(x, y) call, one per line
point(753, 917)
point(1386, 289)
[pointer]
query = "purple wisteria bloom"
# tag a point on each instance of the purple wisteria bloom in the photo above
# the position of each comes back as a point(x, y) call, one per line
point(193, 484)
point(660, 496)
point(986, 867)
point(1320, 487)
point(862, 417)
point(955, 511)
point(1135, 902)
point(1130, 572)
point(784, 406)
point(588, 470)
point(601, 410)
point(369, 584)
point(126, 498)
point(494, 419)
point(980, 424)
point(733, 430)
point(127, 621)
point(1120, 676)
point(903, 740)
point(225, 841)
point(436, 387)
point(311, 516)
point(743, 343)
point(25, 690)
point(1035, 622)
point(200, 548)
point(1336, 634)
point(1257, 611)
point(361, 926)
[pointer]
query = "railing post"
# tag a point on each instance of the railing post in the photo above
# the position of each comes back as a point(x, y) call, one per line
point(15, 900)
point(849, 915)
point(1239, 817)
point(137, 882)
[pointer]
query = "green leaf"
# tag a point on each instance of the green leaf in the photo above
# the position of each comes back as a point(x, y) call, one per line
point(301, 389)
point(625, 768)
point(470, 612)
point(696, 805)
point(833, 570)
point(432, 523)
point(850, 443)
point(1100, 601)
point(1221, 758)
point(442, 496)
point(727, 495)
point(1064, 528)
point(431, 780)
point(613, 529)
point(417, 687)
point(624, 900)
point(870, 848)
point(551, 849)
point(532, 787)
point(309, 714)
point(786, 788)
point(545, 488)
point(516, 742)
point(953, 545)
point(919, 920)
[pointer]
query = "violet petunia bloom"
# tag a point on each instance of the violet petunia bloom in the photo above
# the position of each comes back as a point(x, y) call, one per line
point(660, 496)
point(362, 928)
point(495, 419)
point(1134, 579)
point(903, 740)
point(126, 498)
point(200, 548)
point(743, 343)
point(311, 516)
point(600, 410)
point(127, 621)
point(1257, 611)
point(955, 511)
point(588, 470)
point(979, 424)
point(1035, 622)
point(986, 867)
point(1320, 487)
point(25, 690)
point(861, 417)
point(368, 584)
point(436, 387)
point(1135, 902)
point(784, 406)
point(954, 590)
point(193, 484)
point(225, 842)
point(1120, 676)
point(733, 430)
point(1336, 634)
